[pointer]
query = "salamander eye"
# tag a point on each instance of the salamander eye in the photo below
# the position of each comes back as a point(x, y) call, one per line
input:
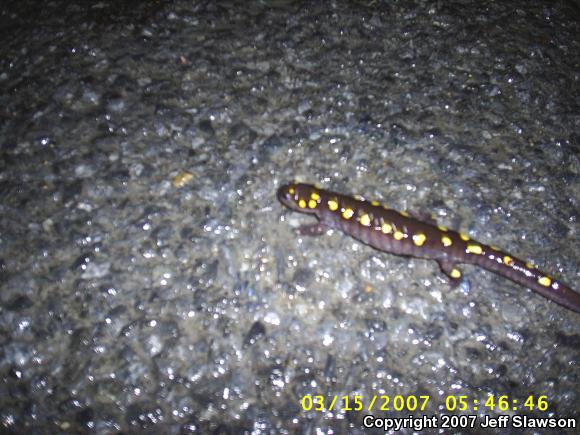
point(287, 195)
point(300, 197)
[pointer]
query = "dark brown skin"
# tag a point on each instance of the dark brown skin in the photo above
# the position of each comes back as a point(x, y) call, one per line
point(397, 233)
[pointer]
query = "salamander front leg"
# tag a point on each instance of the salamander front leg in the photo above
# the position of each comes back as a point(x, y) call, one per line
point(316, 229)
point(452, 272)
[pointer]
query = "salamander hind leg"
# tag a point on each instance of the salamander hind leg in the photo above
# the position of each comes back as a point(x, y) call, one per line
point(453, 273)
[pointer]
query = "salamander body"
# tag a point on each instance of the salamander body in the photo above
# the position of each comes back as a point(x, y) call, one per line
point(399, 233)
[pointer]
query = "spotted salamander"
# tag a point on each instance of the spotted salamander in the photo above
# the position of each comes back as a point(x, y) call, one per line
point(399, 233)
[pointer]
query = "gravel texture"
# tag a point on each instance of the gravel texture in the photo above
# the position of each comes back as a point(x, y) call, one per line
point(151, 283)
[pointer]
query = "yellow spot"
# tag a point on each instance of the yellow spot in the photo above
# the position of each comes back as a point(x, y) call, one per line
point(398, 235)
point(455, 273)
point(359, 198)
point(375, 203)
point(464, 237)
point(386, 228)
point(332, 204)
point(312, 203)
point(495, 248)
point(365, 220)
point(442, 228)
point(291, 190)
point(315, 196)
point(385, 205)
point(474, 249)
point(419, 239)
point(302, 203)
point(182, 179)
point(508, 261)
point(530, 265)
point(446, 241)
point(545, 281)
point(347, 213)
point(404, 213)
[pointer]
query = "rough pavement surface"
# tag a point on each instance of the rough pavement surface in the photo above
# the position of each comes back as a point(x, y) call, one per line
point(151, 283)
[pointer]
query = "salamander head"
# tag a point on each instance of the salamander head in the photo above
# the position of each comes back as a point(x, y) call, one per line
point(300, 197)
